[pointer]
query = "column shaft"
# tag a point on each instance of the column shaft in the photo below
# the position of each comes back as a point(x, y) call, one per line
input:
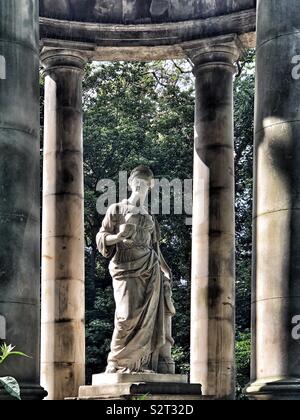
point(63, 332)
point(20, 191)
point(213, 271)
point(276, 253)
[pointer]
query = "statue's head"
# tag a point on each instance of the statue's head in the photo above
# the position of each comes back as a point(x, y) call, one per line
point(141, 178)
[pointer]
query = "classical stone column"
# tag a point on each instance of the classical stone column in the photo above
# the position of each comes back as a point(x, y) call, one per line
point(213, 259)
point(63, 332)
point(276, 254)
point(20, 191)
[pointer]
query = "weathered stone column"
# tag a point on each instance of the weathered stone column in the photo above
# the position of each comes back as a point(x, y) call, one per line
point(20, 191)
point(276, 274)
point(63, 332)
point(213, 271)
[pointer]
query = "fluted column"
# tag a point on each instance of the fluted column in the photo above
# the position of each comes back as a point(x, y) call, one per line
point(213, 253)
point(63, 309)
point(276, 252)
point(20, 192)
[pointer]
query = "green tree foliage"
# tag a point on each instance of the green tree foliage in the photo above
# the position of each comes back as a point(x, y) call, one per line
point(243, 357)
point(244, 112)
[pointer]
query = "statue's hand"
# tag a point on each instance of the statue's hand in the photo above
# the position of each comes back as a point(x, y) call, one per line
point(127, 230)
point(169, 300)
point(168, 277)
point(168, 274)
point(121, 236)
point(128, 243)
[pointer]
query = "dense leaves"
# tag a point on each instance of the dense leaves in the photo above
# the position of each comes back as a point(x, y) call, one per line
point(244, 112)
point(243, 357)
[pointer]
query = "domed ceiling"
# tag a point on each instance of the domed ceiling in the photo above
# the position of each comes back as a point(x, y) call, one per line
point(140, 11)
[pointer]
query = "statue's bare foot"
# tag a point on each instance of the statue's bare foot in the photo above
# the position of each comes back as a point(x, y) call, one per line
point(111, 369)
point(147, 371)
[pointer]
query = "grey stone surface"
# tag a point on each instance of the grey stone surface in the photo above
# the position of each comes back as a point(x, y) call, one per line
point(275, 355)
point(213, 258)
point(136, 11)
point(63, 332)
point(20, 189)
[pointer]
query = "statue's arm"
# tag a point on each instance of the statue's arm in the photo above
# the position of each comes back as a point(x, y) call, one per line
point(168, 277)
point(111, 240)
point(106, 237)
point(163, 264)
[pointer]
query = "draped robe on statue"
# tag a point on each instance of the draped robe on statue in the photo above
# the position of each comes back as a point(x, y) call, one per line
point(138, 290)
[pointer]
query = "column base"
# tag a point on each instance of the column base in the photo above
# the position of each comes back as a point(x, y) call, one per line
point(28, 393)
point(274, 389)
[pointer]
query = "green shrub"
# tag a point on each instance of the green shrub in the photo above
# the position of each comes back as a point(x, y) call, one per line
point(243, 359)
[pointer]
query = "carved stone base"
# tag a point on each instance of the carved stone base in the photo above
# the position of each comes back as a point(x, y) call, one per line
point(148, 386)
point(145, 391)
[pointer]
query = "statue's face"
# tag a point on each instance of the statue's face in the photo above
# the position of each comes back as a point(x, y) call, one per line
point(141, 184)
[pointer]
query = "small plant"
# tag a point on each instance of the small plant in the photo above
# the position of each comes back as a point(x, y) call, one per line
point(10, 384)
point(141, 397)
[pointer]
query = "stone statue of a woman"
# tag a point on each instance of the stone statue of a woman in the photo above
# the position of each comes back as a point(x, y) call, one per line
point(142, 280)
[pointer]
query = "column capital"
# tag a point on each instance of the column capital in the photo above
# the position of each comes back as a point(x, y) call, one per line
point(55, 58)
point(222, 51)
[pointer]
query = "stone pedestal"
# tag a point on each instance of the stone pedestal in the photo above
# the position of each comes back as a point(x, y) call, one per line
point(276, 254)
point(20, 191)
point(134, 386)
point(213, 254)
point(63, 308)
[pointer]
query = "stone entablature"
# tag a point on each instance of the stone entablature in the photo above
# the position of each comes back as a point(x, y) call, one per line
point(105, 37)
